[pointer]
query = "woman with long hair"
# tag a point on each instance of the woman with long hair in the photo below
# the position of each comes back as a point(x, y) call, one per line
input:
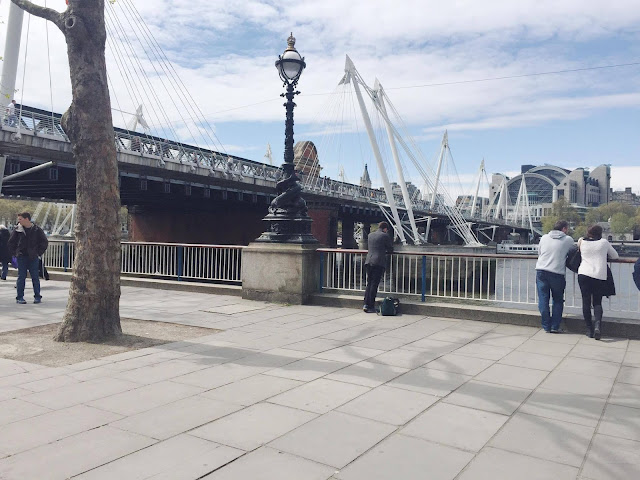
point(592, 277)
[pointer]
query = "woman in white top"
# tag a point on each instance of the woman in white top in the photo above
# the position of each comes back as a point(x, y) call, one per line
point(592, 276)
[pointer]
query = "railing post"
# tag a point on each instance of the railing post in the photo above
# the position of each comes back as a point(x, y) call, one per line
point(424, 277)
point(321, 271)
point(180, 262)
point(65, 256)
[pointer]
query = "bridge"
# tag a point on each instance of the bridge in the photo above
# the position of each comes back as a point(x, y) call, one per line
point(181, 193)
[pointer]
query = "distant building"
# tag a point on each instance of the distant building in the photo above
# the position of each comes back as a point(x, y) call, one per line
point(365, 179)
point(464, 204)
point(412, 190)
point(625, 196)
point(305, 158)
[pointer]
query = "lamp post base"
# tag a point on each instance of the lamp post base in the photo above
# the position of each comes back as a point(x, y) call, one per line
point(287, 229)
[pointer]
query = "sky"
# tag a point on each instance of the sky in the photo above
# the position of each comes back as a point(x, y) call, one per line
point(479, 70)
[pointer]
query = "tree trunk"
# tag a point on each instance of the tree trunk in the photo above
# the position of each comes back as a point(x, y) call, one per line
point(92, 312)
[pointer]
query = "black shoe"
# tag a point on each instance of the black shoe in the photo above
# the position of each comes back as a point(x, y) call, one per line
point(557, 330)
point(38, 300)
point(21, 301)
point(596, 332)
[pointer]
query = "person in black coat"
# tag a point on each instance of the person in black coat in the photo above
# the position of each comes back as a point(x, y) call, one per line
point(27, 243)
point(379, 244)
point(5, 256)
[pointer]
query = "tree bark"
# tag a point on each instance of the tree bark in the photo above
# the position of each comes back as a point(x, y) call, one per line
point(92, 312)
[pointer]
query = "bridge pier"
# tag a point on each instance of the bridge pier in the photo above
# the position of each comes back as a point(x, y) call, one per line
point(325, 225)
point(348, 229)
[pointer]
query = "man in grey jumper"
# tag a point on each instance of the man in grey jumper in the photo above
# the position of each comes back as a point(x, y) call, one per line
point(379, 245)
point(550, 274)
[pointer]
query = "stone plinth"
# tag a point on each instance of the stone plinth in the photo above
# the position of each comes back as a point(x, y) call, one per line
point(280, 272)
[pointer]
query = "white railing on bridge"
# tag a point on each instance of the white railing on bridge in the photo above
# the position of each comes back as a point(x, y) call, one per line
point(219, 263)
point(502, 279)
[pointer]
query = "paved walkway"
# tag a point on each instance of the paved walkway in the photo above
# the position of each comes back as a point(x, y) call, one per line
point(317, 393)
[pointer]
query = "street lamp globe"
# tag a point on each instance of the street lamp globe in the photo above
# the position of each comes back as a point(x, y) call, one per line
point(290, 64)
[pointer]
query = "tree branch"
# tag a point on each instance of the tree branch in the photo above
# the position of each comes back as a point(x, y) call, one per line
point(42, 12)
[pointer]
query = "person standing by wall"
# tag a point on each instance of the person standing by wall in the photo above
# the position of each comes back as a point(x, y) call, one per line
point(12, 118)
point(5, 256)
point(550, 274)
point(27, 243)
point(379, 244)
point(592, 277)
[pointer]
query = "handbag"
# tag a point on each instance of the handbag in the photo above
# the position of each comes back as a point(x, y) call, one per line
point(574, 259)
point(14, 262)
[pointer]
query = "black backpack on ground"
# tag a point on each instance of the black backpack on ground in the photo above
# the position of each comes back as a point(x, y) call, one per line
point(390, 306)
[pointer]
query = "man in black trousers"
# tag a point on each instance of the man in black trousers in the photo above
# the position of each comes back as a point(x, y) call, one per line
point(379, 245)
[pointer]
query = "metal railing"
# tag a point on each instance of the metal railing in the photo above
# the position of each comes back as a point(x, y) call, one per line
point(504, 279)
point(220, 263)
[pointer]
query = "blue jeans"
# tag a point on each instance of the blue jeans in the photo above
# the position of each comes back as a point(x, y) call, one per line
point(550, 285)
point(24, 264)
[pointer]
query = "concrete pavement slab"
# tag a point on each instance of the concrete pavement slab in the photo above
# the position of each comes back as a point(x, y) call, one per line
point(488, 396)
point(319, 396)
point(460, 364)
point(544, 438)
point(333, 439)
point(177, 417)
point(15, 409)
point(629, 375)
point(254, 426)
point(381, 404)
point(612, 458)
point(460, 427)
point(512, 376)
point(571, 382)
point(367, 373)
point(620, 421)
point(407, 458)
point(270, 464)
point(495, 464)
point(307, 369)
point(545, 347)
point(73, 455)
point(597, 352)
point(531, 360)
point(180, 457)
point(252, 390)
point(431, 382)
point(565, 406)
point(626, 394)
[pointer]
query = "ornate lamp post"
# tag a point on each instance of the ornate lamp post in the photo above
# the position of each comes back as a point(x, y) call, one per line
point(287, 218)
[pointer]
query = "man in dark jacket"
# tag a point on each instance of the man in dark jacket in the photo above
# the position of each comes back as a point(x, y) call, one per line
point(27, 243)
point(636, 273)
point(379, 245)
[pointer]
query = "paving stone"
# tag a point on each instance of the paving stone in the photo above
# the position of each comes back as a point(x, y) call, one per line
point(252, 390)
point(270, 464)
point(489, 352)
point(315, 345)
point(512, 376)
point(74, 394)
point(587, 366)
point(632, 359)
point(488, 396)
point(612, 458)
point(545, 438)
point(160, 371)
point(594, 352)
point(567, 407)
point(431, 382)
point(177, 417)
point(407, 458)
point(621, 343)
point(629, 375)
point(620, 421)
point(568, 338)
point(367, 373)
point(218, 375)
point(495, 464)
point(349, 354)
point(180, 457)
point(555, 349)
point(454, 335)
point(51, 426)
point(381, 342)
point(307, 369)
point(460, 427)
point(571, 382)
point(626, 394)
point(389, 405)
point(7, 393)
point(319, 396)
point(509, 341)
point(531, 360)
point(254, 426)
point(350, 437)
point(460, 364)
point(15, 409)
point(145, 397)
point(434, 347)
point(73, 455)
point(403, 358)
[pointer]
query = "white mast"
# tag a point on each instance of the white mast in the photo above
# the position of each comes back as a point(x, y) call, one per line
point(475, 196)
point(379, 99)
point(268, 155)
point(11, 53)
point(351, 74)
point(445, 144)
